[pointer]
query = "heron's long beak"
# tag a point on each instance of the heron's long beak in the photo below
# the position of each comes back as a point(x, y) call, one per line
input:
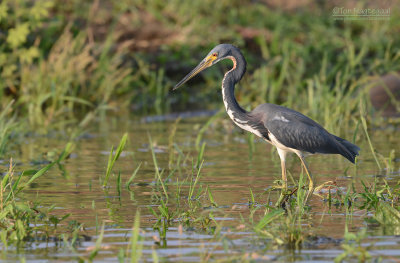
point(202, 65)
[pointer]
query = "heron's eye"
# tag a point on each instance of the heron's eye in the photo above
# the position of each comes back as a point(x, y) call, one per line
point(214, 55)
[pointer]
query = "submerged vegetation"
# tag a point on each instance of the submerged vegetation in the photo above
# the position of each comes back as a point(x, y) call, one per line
point(70, 69)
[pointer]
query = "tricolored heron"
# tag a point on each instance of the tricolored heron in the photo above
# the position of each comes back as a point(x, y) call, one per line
point(288, 130)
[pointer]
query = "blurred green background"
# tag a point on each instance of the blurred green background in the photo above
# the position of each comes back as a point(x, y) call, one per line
point(63, 63)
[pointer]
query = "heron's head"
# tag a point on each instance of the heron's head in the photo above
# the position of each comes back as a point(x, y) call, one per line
point(218, 53)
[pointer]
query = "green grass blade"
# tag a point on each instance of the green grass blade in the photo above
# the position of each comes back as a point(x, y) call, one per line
point(364, 124)
point(136, 247)
point(132, 176)
point(156, 167)
point(119, 182)
point(268, 218)
point(14, 188)
point(5, 180)
point(200, 154)
point(67, 150)
point(112, 160)
point(193, 186)
point(213, 203)
point(97, 245)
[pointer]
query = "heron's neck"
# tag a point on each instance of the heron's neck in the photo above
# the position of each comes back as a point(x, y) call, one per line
point(232, 77)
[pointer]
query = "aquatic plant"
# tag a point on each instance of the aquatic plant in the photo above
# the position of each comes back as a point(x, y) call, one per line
point(21, 219)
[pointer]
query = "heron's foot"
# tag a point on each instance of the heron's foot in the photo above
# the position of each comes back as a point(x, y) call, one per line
point(310, 191)
point(311, 188)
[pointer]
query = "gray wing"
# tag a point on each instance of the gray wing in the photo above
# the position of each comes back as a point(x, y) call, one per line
point(296, 131)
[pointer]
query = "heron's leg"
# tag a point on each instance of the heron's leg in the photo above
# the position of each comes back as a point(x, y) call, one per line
point(284, 177)
point(311, 185)
point(282, 155)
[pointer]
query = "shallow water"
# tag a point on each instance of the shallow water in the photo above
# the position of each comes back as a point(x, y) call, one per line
point(229, 170)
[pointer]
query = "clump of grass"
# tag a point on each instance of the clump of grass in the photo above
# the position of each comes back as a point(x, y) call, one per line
point(353, 247)
point(53, 71)
point(17, 215)
point(284, 223)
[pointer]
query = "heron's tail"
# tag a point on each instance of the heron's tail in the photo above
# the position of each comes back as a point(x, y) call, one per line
point(347, 149)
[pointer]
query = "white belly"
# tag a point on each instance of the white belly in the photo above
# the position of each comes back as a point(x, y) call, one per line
point(283, 148)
